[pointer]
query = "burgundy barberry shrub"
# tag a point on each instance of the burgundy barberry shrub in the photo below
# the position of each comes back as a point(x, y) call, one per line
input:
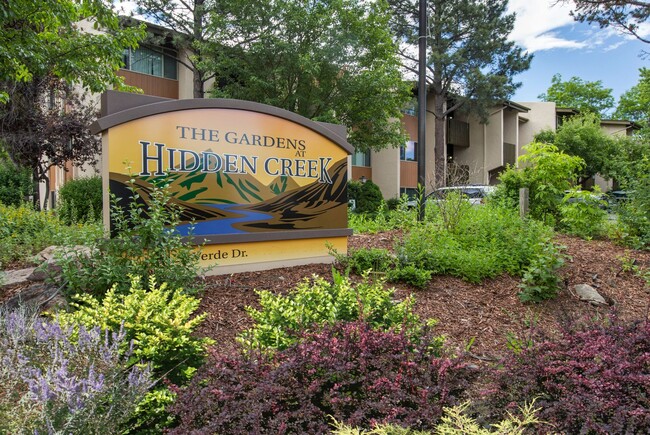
point(348, 371)
point(593, 379)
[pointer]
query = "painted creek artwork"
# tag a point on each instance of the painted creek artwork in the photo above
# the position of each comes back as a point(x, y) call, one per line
point(216, 203)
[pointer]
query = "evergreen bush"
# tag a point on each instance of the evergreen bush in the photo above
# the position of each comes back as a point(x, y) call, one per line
point(367, 196)
point(81, 200)
point(15, 184)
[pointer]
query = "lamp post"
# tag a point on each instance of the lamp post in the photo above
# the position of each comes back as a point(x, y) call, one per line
point(422, 105)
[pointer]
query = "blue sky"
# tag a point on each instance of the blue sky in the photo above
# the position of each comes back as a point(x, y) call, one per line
point(563, 46)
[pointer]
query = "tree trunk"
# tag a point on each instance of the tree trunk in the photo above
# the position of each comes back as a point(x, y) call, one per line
point(439, 140)
point(198, 84)
point(46, 200)
point(36, 200)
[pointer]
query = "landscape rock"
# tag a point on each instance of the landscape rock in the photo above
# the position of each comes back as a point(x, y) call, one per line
point(12, 277)
point(48, 258)
point(36, 298)
point(589, 294)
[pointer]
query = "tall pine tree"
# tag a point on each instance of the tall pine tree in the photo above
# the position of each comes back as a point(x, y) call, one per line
point(470, 61)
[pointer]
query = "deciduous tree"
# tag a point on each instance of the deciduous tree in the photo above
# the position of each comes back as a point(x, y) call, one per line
point(45, 124)
point(328, 60)
point(46, 48)
point(51, 38)
point(471, 63)
point(579, 94)
point(583, 136)
point(634, 104)
point(196, 25)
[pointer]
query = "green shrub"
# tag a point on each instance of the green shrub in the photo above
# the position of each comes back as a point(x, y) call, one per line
point(145, 244)
point(403, 217)
point(540, 280)
point(25, 232)
point(15, 184)
point(547, 173)
point(159, 323)
point(485, 242)
point(367, 196)
point(362, 260)
point(316, 302)
point(633, 214)
point(582, 214)
point(452, 209)
point(392, 203)
point(81, 200)
point(410, 275)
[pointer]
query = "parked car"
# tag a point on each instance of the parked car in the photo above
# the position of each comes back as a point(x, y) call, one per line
point(476, 194)
point(618, 195)
point(600, 198)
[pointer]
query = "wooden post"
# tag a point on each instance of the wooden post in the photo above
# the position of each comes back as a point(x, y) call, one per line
point(524, 201)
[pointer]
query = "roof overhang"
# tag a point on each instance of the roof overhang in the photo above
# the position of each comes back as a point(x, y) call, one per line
point(516, 106)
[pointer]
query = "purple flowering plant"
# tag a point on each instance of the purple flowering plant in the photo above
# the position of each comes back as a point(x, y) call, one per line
point(52, 383)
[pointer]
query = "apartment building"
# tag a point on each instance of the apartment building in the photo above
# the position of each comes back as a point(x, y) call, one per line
point(476, 152)
point(156, 69)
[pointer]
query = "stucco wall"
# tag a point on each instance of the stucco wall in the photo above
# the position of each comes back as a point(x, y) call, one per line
point(540, 117)
point(615, 128)
point(473, 155)
point(510, 130)
point(494, 141)
point(385, 171)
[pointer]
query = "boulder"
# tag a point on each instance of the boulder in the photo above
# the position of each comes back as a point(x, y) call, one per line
point(36, 298)
point(48, 258)
point(12, 277)
point(589, 294)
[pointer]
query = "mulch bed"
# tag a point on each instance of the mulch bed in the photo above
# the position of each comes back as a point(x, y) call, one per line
point(487, 313)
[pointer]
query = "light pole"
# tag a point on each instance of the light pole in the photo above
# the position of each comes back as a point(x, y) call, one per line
point(422, 106)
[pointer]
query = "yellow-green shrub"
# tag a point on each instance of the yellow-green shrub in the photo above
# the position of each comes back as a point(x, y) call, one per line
point(455, 422)
point(158, 320)
point(319, 302)
point(25, 232)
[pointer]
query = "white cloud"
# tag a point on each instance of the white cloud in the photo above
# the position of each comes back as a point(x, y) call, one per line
point(128, 9)
point(644, 29)
point(536, 22)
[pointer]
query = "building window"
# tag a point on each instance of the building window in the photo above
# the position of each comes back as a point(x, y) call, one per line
point(412, 193)
point(361, 158)
point(159, 62)
point(411, 108)
point(409, 151)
